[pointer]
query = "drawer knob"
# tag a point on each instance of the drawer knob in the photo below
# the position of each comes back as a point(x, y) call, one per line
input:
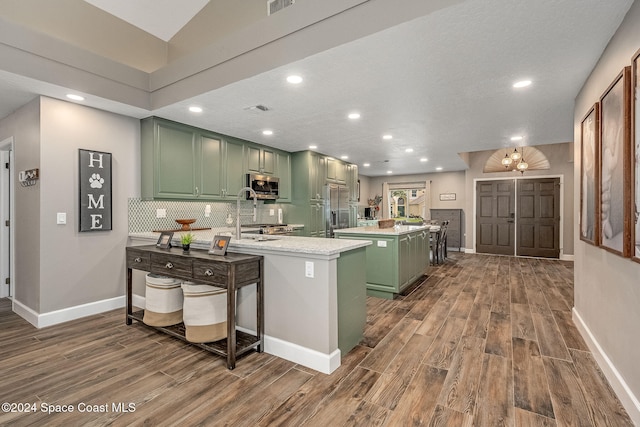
point(169, 265)
point(138, 259)
point(208, 272)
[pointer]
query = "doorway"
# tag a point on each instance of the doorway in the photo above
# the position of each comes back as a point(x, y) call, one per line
point(519, 217)
point(6, 203)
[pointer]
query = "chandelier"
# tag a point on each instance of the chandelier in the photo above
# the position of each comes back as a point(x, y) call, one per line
point(515, 161)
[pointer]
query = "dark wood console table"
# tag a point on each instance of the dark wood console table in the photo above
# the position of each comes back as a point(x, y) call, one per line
point(231, 272)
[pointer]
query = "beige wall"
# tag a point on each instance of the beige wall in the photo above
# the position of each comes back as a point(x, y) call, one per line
point(56, 266)
point(86, 26)
point(210, 25)
point(607, 286)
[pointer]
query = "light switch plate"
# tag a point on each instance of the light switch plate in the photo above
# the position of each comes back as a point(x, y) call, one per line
point(61, 218)
point(308, 269)
point(272, 212)
point(161, 213)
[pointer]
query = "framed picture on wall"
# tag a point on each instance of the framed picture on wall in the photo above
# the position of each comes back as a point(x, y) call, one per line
point(589, 168)
point(615, 150)
point(635, 159)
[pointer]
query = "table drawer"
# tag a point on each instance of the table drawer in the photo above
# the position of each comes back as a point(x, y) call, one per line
point(140, 260)
point(171, 265)
point(216, 274)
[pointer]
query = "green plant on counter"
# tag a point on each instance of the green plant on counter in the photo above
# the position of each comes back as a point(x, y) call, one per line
point(187, 238)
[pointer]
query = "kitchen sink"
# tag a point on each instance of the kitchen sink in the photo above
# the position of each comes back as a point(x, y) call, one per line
point(259, 238)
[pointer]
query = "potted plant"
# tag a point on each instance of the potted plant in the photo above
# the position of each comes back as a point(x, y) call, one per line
point(186, 240)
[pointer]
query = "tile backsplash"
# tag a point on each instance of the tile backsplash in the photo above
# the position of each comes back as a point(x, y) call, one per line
point(142, 214)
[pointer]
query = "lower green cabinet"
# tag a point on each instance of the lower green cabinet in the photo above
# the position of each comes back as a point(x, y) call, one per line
point(394, 260)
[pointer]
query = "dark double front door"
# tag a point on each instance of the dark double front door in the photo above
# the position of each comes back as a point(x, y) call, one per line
point(524, 222)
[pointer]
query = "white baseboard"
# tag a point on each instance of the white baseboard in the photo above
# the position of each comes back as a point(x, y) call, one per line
point(138, 301)
point(619, 385)
point(469, 251)
point(566, 257)
point(42, 320)
point(321, 362)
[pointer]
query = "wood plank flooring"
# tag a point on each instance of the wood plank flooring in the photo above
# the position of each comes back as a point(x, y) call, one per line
point(483, 341)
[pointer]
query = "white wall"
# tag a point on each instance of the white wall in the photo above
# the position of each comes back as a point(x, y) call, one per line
point(607, 286)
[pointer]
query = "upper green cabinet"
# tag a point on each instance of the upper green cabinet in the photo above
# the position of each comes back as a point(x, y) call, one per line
point(183, 162)
point(336, 171)
point(261, 160)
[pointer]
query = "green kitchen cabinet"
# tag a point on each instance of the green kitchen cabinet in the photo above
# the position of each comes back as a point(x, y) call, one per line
point(336, 171)
point(171, 163)
point(183, 162)
point(283, 172)
point(394, 261)
point(317, 219)
point(352, 183)
point(261, 161)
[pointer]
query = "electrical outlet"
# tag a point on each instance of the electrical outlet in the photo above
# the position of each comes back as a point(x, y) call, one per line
point(161, 213)
point(308, 269)
point(272, 212)
point(382, 244)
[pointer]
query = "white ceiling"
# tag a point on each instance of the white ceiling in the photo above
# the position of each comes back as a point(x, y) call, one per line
point(440, 84)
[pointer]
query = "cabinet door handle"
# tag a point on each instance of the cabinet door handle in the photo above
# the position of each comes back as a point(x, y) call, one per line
point(197, 192)
point(169, 265)
point(137, 259)
point(208, 272)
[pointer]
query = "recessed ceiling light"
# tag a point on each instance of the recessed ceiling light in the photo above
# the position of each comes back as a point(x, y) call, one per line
point(424, 159)
point(387, 136)
point(293, 79)
point(366, 165)
point(389, 171)
point(522, 83)
point(354, 116)
point(195, 109)
point(267, 132)
point(344, 157)
point(75, 97)
point(516, 138)
point(409, 150)
point(313, 147)
point(439, 168)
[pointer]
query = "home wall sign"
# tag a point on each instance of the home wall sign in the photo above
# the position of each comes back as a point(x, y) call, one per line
point(95, 190)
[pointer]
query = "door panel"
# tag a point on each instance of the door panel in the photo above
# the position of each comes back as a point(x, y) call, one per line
point(539, 217)
point(495, 205)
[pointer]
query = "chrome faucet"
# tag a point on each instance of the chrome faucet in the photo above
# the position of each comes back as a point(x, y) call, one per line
point(255, 206)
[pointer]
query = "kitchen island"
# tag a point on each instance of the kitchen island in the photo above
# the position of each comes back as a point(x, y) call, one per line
point(398, 256)
point(314, 293)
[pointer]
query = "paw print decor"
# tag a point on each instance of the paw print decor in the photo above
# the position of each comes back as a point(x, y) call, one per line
point(95, 181)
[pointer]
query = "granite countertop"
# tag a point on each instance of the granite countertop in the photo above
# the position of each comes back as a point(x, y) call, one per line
point(277, 243)
point(394, 231)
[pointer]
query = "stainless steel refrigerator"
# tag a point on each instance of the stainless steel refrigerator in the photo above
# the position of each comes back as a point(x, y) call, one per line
point(336, 208)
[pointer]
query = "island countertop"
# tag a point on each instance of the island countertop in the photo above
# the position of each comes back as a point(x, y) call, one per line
point(272, 243)
point(375, 230)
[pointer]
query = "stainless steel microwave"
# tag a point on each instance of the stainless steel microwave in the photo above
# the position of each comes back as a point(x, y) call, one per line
point(265, 186)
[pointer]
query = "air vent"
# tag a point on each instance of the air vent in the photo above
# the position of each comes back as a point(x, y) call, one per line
point(274, 6)
point(258, 107)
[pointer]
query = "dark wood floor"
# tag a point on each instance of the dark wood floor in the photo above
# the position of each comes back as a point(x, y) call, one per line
point(484, 340)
